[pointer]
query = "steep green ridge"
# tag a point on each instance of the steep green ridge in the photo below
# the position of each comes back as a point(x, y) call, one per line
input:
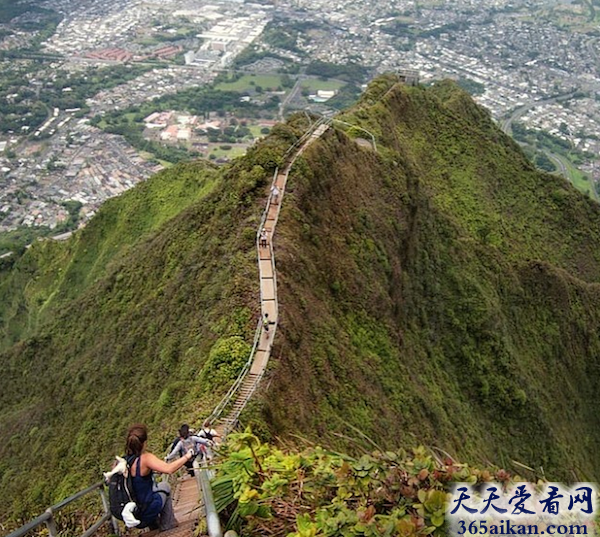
point(64, 269)
point(441, 290)
point(145, 315)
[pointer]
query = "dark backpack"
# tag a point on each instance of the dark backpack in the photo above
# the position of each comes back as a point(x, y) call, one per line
point(120, 493)
point(206, 434)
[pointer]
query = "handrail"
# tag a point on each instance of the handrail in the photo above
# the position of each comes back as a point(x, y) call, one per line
point(48, 516)
point(226, 400)
point(93, 529)
point(214, 526)
point(23, 530)
point(216, 413)
point(361, 128)
point(76, 496)
point(265, 213)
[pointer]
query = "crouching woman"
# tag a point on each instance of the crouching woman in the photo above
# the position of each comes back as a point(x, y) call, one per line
point(154, 499)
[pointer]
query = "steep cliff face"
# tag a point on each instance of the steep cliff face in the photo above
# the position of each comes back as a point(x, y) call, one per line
point(144, 315)
point(437, 290)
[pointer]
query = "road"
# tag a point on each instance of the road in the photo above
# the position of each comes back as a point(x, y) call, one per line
point(563, 170)
point(291, 95)
point(591, 46)
point(506, 124)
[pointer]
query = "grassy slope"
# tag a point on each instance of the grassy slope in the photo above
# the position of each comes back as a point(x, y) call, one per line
point(441, 290)
point(63, 269)
point(149, 313)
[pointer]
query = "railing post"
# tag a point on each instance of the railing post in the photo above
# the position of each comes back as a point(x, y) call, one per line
point(106, 508)
point(213, 523)
point(51, 523)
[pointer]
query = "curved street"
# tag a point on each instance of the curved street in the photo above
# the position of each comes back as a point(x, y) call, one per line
point(506, 123)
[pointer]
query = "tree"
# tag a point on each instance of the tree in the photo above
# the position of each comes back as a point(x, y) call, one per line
point(543, 162)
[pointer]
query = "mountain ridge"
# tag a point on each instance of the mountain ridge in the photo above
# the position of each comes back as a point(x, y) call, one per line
point(418, 288)
point(452, 256)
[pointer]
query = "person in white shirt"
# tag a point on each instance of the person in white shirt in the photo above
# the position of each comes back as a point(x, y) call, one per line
point(275, 194)
point(211, 435)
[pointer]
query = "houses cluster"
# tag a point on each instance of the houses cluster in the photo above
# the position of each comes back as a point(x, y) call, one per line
point(152, 84)
point(88, 166)
point(516, 60)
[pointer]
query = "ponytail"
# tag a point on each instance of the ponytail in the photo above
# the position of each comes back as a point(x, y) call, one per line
point(136, 436)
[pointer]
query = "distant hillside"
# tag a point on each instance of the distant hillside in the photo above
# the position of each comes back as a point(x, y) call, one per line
point(437, 291)
point(441, 290)
point(63, 270)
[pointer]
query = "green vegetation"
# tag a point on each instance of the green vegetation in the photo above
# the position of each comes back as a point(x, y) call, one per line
point(251, 54)
point(346, 97)
point(228, 151)
point(579, 180)
point(350, 72)
point(544, 162)
point(164, 37)
point(590, 4)
point(258, 132)
point(200, 101)
point(541, 143)
point(440, 291)
point(261, 490)
point(117, 324)
point(474, 88)
point(16, 241)
point(283, 34)
point(315, 84)
point(138, 212)
point(250, 82)
point(10, 9)
point(20, 105)
point(43, 23)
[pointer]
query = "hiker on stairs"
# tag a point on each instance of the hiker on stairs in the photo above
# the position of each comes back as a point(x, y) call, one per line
point(156, 499)
point(211, 435)
point(275, 194)
point(266, 322)
point(187, 442)
point(263, 238)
